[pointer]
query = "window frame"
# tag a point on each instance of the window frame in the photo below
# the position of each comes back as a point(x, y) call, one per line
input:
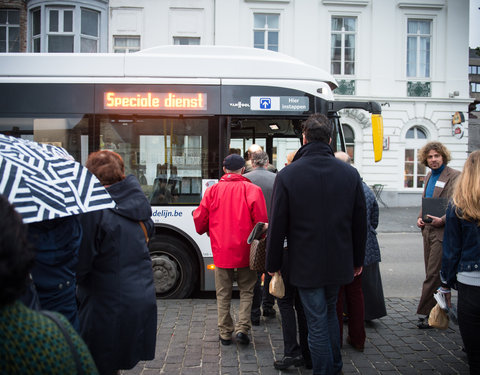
point(343, 33)
point(418, 51)
point(415, 144)
point(266, 30)
point(83, 36)
point(126, 49)
point(9, 27)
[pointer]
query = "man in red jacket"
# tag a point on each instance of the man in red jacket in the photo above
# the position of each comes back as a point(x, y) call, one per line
point(227, 213)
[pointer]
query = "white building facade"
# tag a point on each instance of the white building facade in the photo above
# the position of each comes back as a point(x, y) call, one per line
point(410, 56)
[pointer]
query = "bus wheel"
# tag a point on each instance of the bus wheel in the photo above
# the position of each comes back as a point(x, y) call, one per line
point(174, 272)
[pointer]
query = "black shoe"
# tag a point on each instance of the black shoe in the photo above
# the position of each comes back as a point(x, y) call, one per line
point(269, 312)
point(255, 322)
point(425, 319)
point(225, 342)
point(242, 338)
point(287, 361)
point(424, 325)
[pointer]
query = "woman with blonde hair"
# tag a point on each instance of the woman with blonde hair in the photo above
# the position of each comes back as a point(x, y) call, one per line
point(461, 256)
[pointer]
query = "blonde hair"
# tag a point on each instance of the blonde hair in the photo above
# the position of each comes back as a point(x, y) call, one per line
point(466, 195)
point(290, 156)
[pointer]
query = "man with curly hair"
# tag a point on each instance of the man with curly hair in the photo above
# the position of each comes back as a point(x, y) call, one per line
point(439, 183)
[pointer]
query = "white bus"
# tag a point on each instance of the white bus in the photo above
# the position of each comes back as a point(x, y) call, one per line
point(173, 113)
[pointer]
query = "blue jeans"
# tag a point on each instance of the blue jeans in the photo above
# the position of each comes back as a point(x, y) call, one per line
point(323, 332)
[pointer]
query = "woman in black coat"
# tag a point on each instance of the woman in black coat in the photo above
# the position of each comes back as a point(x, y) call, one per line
point(117, 303)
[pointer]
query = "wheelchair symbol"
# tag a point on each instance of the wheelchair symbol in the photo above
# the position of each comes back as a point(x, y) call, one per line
point(265, 103)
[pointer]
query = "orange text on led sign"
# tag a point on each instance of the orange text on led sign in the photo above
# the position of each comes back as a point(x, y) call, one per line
point(155, 100)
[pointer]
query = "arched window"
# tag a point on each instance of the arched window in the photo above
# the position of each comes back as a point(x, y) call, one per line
point(349, 136)
point(414, 171)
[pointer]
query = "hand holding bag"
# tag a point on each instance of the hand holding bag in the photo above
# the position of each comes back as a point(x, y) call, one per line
point(438, 318)
point(277, 287)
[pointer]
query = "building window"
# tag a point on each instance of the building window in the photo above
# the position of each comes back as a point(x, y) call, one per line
point(474, 69)
point(9, 30)
point(126, 44)
point(415, 171)
point(475, 86)
point(89, 34)
point(418, 48)
point(36, 30)
point(186, 41)
point(68, 29)
point(349, 136)
point(60, 32)
point(266, 29)
point(343, 45)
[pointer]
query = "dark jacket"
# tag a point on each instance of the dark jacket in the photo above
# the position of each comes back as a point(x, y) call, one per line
point(372, 249)
point(56, 244)
point(318, 203)
point(461, 247)
point(117, 303)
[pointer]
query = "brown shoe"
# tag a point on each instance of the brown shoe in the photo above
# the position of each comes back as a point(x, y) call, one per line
point(358, 348)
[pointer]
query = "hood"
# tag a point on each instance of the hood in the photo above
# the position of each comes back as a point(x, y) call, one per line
point(130, 199)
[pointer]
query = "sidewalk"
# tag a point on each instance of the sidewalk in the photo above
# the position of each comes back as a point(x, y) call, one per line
point(187, 343)
point(187, 337)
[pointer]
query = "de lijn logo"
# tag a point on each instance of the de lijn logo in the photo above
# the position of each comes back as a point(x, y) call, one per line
point(265, 103)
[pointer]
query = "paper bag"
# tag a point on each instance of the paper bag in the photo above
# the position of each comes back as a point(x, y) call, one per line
point(276, 287)
point(438, 318)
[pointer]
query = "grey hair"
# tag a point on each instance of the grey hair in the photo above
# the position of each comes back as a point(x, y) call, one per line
point(259, 159)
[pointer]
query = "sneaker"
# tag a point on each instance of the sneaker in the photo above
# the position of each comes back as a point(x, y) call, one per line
point(242, 338)
point(269, 312)
point(225, 342)
point(287, 362)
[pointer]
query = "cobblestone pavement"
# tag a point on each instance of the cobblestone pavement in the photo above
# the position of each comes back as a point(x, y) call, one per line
point(187, 343)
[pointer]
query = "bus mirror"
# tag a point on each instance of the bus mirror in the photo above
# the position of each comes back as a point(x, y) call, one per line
point(377, 134)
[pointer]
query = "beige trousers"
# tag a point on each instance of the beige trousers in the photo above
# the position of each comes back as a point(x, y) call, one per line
point(224, 278)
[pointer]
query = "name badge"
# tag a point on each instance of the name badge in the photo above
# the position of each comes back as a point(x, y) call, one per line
point(440, 184)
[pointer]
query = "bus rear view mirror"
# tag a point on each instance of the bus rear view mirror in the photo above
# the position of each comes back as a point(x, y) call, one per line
point(377, 134)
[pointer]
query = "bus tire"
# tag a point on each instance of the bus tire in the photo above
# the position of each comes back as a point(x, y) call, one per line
point(174, 271)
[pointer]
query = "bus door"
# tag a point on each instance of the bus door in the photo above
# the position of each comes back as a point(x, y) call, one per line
point(276, 136)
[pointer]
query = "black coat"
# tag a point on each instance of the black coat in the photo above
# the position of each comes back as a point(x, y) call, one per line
point(117, 303)
point(318, 203)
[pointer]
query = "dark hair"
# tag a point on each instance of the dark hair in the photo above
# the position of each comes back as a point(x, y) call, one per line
point(438, 147)
point(318, 127)
point(107, 166)
point(16, 255)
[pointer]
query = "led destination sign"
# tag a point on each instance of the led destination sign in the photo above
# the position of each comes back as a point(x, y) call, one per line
point(155, 100)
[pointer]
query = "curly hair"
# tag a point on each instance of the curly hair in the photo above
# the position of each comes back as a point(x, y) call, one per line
point(466, 194)
point(107, 166)
point(317, 127)
point(438, 147)
point(16, 254)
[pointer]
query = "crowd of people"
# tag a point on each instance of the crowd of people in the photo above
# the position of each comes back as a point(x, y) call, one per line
point(315, 196)
point(94, 270)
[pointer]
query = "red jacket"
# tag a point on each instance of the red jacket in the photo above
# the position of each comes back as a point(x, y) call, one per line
point(228, 211)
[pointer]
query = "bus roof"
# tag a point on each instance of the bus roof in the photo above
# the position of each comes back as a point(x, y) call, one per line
point(196, 62)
